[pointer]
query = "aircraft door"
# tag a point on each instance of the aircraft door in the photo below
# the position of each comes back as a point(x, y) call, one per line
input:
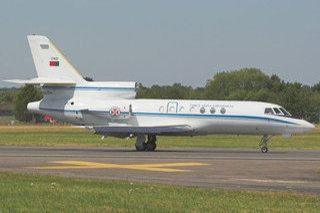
point(172, 107)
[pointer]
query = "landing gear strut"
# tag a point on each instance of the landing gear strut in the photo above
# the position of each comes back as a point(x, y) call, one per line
point(263, 143)
point(141, 145)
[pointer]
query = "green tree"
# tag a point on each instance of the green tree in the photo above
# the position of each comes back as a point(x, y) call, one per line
point(316, 87)
point(248, 84)
point(227, 83)
point(296, 100)
point(25, 95)
point(7, 96)
point(313, 112)
point(176, 91)
point(276, 84)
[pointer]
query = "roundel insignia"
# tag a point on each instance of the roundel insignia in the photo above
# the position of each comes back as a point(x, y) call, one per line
point(114, 111)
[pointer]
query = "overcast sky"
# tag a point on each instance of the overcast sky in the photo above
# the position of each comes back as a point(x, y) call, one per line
point(163, 42)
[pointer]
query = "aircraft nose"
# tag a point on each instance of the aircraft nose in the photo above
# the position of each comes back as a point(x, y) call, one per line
point(308, 126)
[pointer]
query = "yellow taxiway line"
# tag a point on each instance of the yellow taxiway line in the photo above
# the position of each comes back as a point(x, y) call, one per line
point(92, 165)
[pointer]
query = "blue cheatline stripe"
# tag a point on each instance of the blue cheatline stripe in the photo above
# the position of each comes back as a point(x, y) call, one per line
point(105, 88)
point(213, 116)
point(70, 110)
point(88, 88)
point(181, 115)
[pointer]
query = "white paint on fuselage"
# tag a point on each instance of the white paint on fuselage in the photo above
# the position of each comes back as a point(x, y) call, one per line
point(240, 117)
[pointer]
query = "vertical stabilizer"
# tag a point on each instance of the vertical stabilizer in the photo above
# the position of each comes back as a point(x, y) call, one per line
point(49, 61)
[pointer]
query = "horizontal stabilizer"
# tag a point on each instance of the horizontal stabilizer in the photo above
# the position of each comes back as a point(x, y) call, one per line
point(145, 130)
point(37, 81)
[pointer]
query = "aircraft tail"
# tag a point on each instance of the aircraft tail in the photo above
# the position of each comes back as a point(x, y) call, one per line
point(50, 63)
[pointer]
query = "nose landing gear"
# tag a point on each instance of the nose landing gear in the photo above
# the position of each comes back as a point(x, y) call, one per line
point(141, 145)
point(263, 143)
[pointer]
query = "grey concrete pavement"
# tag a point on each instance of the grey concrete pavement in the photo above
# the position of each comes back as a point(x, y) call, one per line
point(285, 170)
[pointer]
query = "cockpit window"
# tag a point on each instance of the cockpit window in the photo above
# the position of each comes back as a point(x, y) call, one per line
point(285, 112)
point(268, 111)
point(278, 112)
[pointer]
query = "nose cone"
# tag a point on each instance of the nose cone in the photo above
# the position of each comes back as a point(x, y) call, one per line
point(307, 126)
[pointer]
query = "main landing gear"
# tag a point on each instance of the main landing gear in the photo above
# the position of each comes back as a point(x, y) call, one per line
point(141, 145)
point(263, 143)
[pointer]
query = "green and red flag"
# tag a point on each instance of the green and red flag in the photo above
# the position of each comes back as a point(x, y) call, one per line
point(54, 63)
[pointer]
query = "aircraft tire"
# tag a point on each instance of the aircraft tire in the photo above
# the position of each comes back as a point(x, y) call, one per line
point(141, 148)
point(264, 149)
point(151, 146)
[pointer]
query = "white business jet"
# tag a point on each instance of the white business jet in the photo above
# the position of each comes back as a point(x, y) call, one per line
point(110, 108)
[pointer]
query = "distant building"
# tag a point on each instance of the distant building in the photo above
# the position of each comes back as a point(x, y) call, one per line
point(6, 109)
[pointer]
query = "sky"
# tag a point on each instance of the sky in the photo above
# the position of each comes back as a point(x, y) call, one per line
point(165, 42)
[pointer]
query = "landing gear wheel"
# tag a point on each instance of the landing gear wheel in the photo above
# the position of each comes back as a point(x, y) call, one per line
point(264, 149)
point(140, 143)
point(141, 147)
point(151, 146)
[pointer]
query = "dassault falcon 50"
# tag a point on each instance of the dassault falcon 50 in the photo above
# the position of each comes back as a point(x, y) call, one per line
point(110, 108)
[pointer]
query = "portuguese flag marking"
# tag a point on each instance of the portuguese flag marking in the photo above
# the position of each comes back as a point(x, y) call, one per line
point(54, 63)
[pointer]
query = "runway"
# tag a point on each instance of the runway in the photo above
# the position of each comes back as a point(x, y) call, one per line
point(248, 169)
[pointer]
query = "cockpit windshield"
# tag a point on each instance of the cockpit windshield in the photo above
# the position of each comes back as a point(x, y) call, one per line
point(285, 112)
point(277, 111)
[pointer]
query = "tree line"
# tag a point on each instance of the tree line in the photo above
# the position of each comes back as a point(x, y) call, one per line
point(248, 84)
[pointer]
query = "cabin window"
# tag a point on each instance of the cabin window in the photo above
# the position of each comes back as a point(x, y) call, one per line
point(161, 109)
point(182, 109)
point(212, 110)
point(268, 111)
point(192, 109)
point(172, 109)
point(202, 110)
point(223, 110)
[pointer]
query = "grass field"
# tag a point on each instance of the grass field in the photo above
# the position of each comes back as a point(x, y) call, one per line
point(46, 135)
point(40, 193)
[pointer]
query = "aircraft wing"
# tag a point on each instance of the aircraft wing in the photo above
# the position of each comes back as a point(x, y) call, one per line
point(145, 130)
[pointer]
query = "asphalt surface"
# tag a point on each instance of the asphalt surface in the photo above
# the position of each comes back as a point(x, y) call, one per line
point(283, 170)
